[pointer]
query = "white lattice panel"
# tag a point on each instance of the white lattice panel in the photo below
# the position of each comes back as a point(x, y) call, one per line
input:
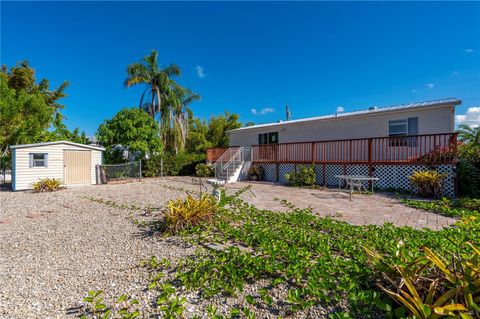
point(270, 172)
point(331, 171)
point(390, 176)
point(285, 169)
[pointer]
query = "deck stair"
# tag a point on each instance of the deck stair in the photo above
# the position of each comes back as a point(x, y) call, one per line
point(233, 165)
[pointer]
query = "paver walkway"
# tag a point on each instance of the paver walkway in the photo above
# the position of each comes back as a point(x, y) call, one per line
point(363, 209)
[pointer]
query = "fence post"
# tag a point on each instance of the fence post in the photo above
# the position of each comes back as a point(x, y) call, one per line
point(140, 170)
point(97, 175)
point(161, 167)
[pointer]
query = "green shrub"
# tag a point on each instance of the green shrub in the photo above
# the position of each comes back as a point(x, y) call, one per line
point(303, 176)
point(428, 183)
point(203, 170)
point(256, 173)
point(46, 185)
point(468, 178)
point(173, 164)
point(184, 213)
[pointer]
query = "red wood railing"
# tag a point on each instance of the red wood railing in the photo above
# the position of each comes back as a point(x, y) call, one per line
point(412, 149)
point(214, 153)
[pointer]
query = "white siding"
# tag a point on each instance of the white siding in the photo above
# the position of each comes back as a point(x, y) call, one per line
point(25, 175)
point(430, 121)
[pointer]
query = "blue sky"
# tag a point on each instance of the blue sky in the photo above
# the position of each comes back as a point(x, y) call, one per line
point(243, 56)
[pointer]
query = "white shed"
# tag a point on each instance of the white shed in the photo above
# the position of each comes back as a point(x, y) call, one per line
point(72, 163)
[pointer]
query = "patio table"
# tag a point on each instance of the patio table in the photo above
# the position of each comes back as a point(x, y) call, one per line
point(354, 180)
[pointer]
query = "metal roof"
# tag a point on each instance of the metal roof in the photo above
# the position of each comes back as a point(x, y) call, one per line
point(393, 108)
point(93, 147)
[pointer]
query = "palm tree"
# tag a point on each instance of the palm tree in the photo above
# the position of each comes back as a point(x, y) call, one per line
point(157, 81)
point(469, 134)
point(181, 99)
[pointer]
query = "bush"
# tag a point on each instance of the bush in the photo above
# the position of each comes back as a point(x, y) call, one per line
point(173, 164)
point(203, 170)
point(468, 178)
point(182, 214)
point(256, 173)
point(428, 183)
point(46, 185)
point(303, 176)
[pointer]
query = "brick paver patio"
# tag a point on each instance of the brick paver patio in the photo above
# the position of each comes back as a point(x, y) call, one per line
point(363, 209)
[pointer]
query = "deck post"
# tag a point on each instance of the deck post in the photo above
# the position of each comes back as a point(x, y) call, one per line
point(370, 161)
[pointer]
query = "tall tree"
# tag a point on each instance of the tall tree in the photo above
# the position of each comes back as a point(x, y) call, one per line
point(179, 106)
point(158, 82)
point(30, 111)
point(130, 129)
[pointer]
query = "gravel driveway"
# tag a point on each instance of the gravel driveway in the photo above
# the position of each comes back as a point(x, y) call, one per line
point(54, 247)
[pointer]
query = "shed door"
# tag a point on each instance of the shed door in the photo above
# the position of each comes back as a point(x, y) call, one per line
point(77, 167)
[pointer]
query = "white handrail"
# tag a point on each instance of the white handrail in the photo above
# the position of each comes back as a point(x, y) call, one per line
point(233, 157)
point(223, 165)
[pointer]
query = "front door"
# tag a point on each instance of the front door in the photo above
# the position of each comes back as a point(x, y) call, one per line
point(77, 167)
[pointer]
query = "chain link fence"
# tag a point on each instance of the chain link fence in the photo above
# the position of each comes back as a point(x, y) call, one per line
point(115, 172)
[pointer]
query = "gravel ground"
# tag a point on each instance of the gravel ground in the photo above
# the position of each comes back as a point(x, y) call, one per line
point(54, 247)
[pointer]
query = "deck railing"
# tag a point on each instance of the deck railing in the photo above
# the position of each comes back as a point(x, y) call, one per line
point(411, 149)
point(214, 153)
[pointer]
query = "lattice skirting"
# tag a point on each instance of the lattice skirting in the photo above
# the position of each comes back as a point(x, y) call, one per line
point(394, 177)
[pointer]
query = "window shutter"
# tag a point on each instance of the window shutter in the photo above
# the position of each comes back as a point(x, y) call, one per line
point(45, 159)
point(412, 125)
point(30, 160)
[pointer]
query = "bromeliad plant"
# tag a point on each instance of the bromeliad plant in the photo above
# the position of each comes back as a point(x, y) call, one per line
point(46, 185)
point(185, 213)
point(430, 287)
point(428, 183)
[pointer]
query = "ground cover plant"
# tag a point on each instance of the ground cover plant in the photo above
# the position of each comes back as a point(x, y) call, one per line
point(312, 261)
point(448, 207)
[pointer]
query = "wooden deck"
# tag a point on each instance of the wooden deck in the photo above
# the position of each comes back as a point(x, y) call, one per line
point(430, 149)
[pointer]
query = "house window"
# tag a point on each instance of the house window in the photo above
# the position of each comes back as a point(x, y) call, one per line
point(268, 138)
point(403, 127)
point(38, 159)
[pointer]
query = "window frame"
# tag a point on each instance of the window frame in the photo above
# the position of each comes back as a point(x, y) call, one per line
point(266, 138)
point(33, 161)
point(403, 138)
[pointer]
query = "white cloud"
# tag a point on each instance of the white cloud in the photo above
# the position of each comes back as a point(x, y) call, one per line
point(263, 111)
point(471, 118)
point(469, 50)
point(200, 71)
point(340, 109)
point(430, 85)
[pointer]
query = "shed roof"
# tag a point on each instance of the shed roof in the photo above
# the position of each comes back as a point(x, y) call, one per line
point(93, 147)
point(386, 109)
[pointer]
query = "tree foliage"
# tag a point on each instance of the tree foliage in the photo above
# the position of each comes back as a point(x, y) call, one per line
point(132, 129)
point(203, 135)
point(30, 110)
